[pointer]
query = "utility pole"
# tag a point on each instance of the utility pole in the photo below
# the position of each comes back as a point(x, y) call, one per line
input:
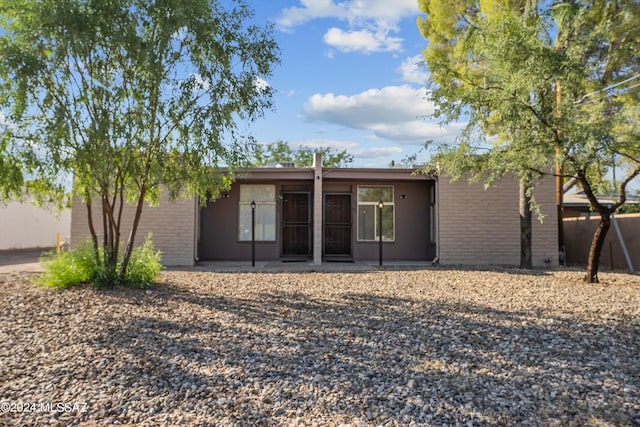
point(559, 180)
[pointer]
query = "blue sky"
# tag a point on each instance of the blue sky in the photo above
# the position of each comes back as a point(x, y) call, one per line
point(350, 78)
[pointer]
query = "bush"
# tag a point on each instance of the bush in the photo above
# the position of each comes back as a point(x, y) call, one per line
point(79, 265)
point(144, 265)
point(70, 268)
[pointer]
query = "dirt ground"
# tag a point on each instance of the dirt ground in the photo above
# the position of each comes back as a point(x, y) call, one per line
point(398, 347)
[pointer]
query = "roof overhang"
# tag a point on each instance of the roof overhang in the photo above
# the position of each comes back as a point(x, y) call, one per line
point(370, 174)
point(331, 174)
point(274, 174)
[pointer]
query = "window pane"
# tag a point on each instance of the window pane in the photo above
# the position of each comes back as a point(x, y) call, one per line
point(375, 194)
point(257, 193)
point(366, 222)
point(244, 229)
point(387, 223)
point(265, 222)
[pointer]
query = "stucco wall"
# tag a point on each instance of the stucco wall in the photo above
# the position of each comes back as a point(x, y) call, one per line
point(578, 233)
point(219, 228)
point(23, 225)
point(219, 224)
point(172, 224)
point(478, 226)
point(412, 239)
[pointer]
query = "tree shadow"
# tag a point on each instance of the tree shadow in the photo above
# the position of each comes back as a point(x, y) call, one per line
point(275, 357)
point(176, 355)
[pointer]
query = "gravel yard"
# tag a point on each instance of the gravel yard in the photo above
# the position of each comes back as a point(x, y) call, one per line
point(413, 347)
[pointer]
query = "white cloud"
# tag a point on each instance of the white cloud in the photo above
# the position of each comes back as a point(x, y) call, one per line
point(354, 11)
point(200, 83)
point(308, 11)
point(361, 111)
point(413, 70)
point(363, 41)
point(419, 131)
point(327, 143)
point(393, 113)
point(261, 84)
point(180, 34)
point(6, 123)
point(377, 152)
point(353, 148)
point(370, 22)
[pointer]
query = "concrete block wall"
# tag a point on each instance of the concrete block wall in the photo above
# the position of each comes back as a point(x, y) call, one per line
point(172, 224)
point(482, 227)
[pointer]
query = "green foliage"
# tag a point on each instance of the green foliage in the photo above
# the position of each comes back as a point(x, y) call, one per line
point(280, 152)
point(537, 84)
point(145, 265)
point(533, 82)
point(11, 176)
point(82, 265)
point(72, 267)
point(128, 96)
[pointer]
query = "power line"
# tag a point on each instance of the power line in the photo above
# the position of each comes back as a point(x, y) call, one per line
point(598, 99)
point(605, 89)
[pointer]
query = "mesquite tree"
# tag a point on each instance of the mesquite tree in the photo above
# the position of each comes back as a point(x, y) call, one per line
point(550, 83)
point(131, 96)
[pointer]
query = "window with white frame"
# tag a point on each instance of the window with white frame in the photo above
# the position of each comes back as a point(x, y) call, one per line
point(265, 222)
point(369, 214)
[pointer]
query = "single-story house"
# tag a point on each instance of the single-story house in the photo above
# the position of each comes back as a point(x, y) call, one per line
point(324, 214)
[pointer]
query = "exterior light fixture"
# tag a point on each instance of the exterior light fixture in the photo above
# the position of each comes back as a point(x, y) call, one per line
point(380, 206)
point(253, 233)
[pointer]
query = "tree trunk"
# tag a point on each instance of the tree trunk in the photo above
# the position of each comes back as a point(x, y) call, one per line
point(596, 247)
point(109, 262)
point(92, 231)
point(525, 226)
point(132, 236)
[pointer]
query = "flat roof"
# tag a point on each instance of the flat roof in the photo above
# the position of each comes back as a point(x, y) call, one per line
point(333, 174)
point(580, 200)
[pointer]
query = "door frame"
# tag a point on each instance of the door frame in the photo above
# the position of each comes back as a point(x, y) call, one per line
point(324, 222)
point(309, 224)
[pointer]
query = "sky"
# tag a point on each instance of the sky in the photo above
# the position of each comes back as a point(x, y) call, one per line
point(351, 77)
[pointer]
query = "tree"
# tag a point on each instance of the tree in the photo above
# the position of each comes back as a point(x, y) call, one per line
point(130, 96)
point(280, 152)
point(11, 177)
point(546, 82)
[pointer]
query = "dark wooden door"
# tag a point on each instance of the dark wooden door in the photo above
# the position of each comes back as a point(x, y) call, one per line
point(337, 224)
point(296, 227)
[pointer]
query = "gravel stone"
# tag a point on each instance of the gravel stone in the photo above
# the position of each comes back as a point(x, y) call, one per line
point(436, 346)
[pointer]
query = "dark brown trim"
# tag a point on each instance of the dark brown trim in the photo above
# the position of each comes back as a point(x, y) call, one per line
point(333, 229)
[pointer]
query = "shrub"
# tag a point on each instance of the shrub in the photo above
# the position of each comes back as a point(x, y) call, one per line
point(79, 265)
point(69, 268)
point(144, 265)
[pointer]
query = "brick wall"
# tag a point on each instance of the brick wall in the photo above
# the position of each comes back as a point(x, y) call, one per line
point(478, 226)
point(171, 222)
